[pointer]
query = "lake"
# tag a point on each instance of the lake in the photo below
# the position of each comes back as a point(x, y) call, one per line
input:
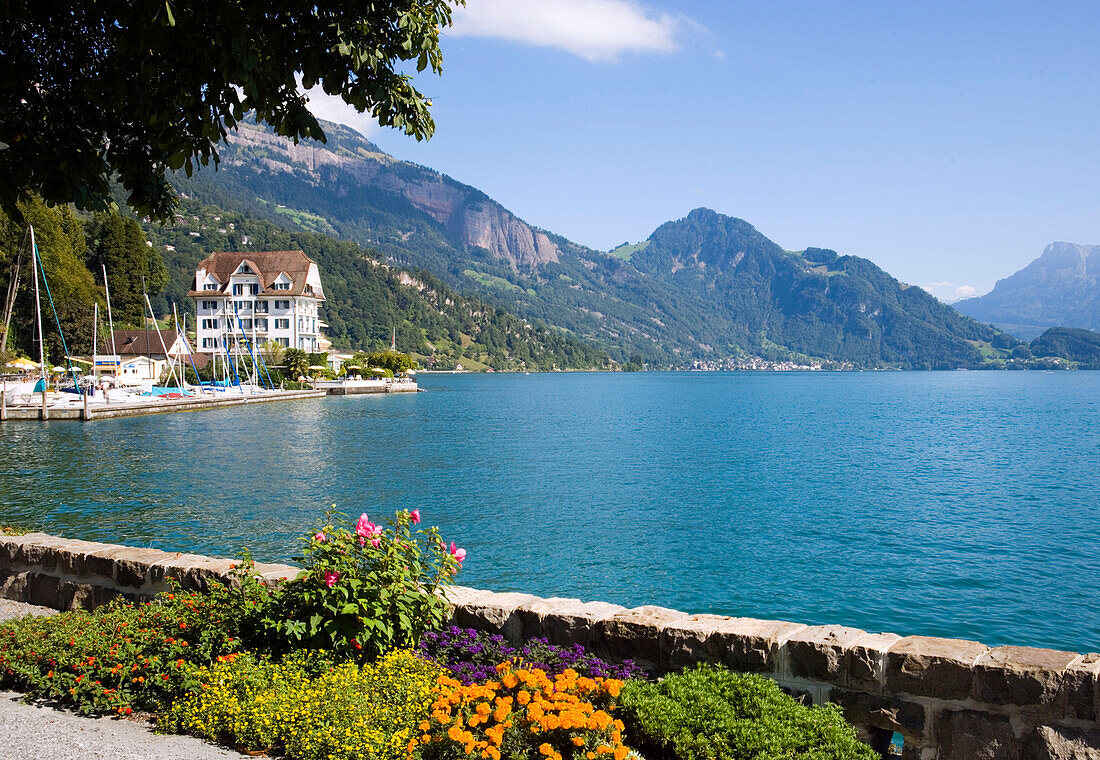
point(959, 504)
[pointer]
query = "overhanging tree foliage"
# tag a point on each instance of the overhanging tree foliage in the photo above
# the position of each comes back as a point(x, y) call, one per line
point(133, 89)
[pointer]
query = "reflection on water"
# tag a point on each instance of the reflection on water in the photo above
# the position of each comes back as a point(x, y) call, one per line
point(958, 504)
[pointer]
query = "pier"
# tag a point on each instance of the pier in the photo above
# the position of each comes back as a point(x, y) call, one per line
point(101, 411)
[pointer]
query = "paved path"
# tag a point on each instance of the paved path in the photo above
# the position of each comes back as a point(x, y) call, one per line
point(32, 732)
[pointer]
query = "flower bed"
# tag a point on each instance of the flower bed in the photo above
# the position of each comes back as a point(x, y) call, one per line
point(349, 661)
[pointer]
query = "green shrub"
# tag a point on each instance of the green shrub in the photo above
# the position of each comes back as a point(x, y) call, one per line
point(307, 708)
point(367, 590)
point(124, 656)
point(711, 713)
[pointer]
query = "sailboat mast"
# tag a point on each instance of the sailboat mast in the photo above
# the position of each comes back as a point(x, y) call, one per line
point(110, 319)
point(38, 311)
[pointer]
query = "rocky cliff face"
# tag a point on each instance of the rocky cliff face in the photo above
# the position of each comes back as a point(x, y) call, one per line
point(1061, 288)
point(358, 166)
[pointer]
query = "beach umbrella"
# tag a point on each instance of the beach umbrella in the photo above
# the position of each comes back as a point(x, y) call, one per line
point(317, 366)
point(378, 370)
point(22, 364)
point(410, 372)
point(57, 369)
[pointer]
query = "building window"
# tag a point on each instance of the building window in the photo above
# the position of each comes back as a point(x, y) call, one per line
point(210, 286)
point(246, 324)
point(242, 305)
point(261, 307)
point(282, 286)
point(261, 325)
point(282, 304)
point(210, 324)
point(209, 305)
point(282, 324)
point(209, 343)
point(238, 290)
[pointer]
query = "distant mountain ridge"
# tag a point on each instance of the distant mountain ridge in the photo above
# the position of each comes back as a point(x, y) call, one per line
point(1061, 288)
point(707, 287)
point(469, 217)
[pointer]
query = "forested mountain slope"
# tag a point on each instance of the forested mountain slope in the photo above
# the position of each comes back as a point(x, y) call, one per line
point(707, 287)
point(369, 298)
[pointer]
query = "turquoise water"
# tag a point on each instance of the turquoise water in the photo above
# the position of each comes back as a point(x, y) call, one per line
point(956, 504)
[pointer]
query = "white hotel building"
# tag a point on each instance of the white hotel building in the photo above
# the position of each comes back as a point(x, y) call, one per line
point(261, 295)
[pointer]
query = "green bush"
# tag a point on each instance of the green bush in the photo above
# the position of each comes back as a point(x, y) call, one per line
point(711, 713)
point(366, 590)
point(123, 656)
point(307, 708)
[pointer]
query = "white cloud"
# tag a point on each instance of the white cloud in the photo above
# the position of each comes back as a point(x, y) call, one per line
point(333, 108)
point(949, 292)
point(597, 30)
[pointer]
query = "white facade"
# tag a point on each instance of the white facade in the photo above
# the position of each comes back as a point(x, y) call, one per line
point(285, 311)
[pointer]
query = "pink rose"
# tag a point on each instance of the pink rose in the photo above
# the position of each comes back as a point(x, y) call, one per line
point(415, 515)
point(320, 536)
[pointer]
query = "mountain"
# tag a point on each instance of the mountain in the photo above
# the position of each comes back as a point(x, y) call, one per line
point(706, 288)
point(1061, 288)
point(368, 298)
point(1082, 346)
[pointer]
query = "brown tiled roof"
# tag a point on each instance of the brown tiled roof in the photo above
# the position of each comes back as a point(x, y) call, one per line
point(141, 342)
point(267, 265)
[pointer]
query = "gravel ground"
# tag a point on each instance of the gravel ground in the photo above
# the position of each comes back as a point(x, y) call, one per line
point(41, 732)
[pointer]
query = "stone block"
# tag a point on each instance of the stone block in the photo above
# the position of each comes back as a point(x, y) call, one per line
point(564, 622)
point(1055, 743)
point(13, 585)
point(43, 590)
point(273, 575)
point(865, 662)
point(750, 645)
point(457, 596)
point(688, 641)
point(194, 572)
point(99, 564)
point(635, 634)
point(970, 735)
point(132, 566)
point(932, 667)
point(10, 547)
point(40, 551)
point(494, 613)
point(1020, 675)
point(819, 652)
point(1079, 695)
point(71, 558)
point(879, 711)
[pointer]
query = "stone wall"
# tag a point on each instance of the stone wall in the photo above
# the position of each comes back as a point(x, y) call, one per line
point(951, 699)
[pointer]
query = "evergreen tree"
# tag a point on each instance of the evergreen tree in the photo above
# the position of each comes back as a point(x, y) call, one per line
point(119, 245)
point(59, 235)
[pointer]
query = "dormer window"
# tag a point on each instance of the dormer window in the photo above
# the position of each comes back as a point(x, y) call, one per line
point(282, 282)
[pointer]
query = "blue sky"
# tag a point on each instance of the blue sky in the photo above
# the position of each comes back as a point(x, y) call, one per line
point(947, 142)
